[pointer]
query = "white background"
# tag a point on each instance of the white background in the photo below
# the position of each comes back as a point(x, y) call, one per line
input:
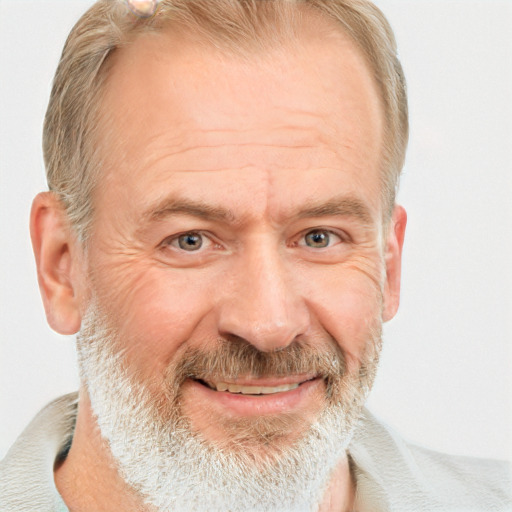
point(445, 379)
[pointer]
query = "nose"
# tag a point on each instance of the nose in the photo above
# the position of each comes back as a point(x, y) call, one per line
point(262, 303)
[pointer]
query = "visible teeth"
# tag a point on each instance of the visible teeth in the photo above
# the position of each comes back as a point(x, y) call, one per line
point(254, 390)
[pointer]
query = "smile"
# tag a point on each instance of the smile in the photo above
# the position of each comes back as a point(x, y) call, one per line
point(257, 387)
point(252, 390)
point(246, 396)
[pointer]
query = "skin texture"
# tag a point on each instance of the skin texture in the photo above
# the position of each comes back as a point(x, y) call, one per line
point(252, 157)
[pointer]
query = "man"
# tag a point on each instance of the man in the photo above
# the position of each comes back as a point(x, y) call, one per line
point(222, 231)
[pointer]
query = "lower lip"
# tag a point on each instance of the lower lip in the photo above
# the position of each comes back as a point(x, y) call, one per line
point(251, 405)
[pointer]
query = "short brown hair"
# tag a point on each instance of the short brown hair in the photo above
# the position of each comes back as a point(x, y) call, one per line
point(72, 159)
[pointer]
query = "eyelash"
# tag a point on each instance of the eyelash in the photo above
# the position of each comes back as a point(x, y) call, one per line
point(169, 241)
point(173, 240)
point(329, 232)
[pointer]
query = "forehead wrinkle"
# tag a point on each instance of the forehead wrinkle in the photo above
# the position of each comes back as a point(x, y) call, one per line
point(237, 145)
point(157, 155)
point(302, 138)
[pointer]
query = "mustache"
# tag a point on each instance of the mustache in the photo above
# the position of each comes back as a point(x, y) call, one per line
point(234, 357)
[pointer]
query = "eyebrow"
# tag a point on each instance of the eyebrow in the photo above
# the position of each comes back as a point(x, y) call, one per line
point(344, 206)
point(177, 206)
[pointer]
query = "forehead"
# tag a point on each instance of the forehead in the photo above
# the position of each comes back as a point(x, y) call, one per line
point(174, 109)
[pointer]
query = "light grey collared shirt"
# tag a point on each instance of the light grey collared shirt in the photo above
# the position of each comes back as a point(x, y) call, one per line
point(391, 474)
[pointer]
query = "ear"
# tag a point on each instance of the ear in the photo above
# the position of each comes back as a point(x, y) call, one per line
point(58, 263)
point(393, 261)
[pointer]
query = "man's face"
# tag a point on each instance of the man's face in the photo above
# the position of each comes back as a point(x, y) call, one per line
point(239, 218)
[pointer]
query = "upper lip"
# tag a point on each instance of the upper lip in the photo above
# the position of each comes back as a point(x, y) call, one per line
point(262, 381)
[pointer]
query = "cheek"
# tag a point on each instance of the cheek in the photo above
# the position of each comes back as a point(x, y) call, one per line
point(155, 311)
point(348, 306)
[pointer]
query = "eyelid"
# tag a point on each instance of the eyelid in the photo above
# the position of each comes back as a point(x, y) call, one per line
point(342, 235)
point(207, 241)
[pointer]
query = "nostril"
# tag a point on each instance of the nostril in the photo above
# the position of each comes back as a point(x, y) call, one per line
point(269, 317)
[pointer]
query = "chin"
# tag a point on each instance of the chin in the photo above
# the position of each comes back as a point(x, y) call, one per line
point(259, 438)
point(181, 452)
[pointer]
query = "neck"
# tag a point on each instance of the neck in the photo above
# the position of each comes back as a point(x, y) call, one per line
point(340, 494)
point(88, 479)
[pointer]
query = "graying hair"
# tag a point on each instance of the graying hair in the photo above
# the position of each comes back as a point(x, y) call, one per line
point(71, 149)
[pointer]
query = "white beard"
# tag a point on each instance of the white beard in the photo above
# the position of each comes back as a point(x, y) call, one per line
point(174, 469)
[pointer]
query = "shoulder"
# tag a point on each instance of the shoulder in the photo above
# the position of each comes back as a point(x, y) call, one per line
point(471, 476)
point(26, 472)
point(408, 477)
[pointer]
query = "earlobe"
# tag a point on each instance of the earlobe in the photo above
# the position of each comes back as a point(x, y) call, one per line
point(55, 250)
point(393, 262)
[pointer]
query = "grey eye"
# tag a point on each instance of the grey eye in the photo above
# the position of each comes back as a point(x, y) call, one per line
point(318, 239)
point(190, 241)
